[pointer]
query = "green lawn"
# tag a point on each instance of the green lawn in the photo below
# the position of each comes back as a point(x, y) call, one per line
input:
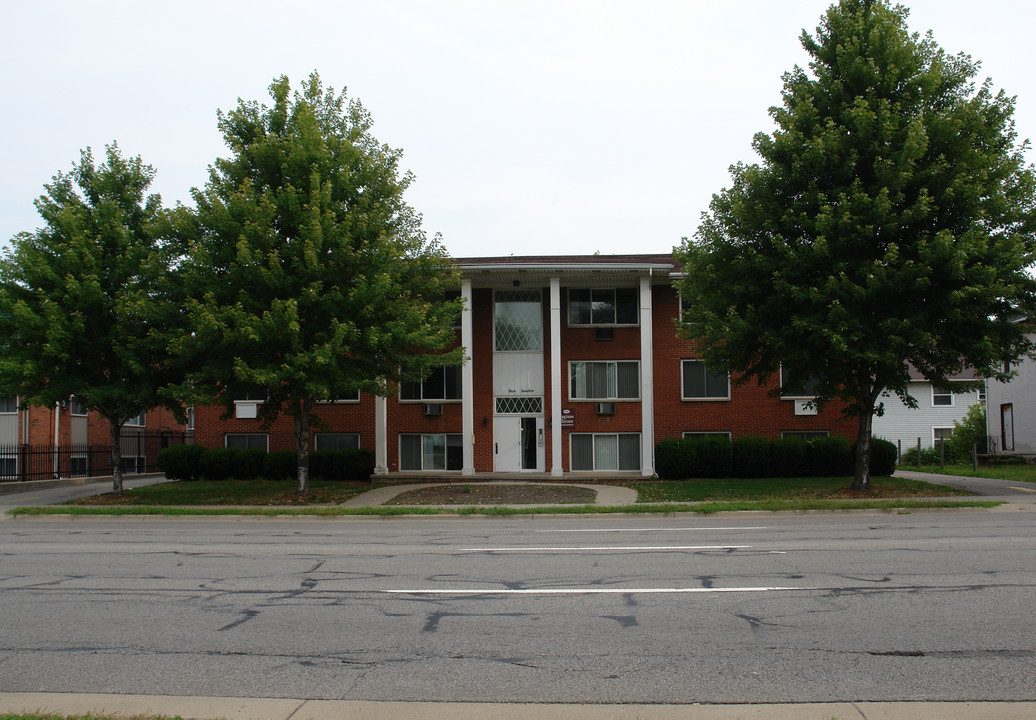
point(232, 492)
point(759, 489)
point(1015, 473)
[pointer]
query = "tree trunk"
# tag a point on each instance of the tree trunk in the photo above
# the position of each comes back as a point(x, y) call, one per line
point(116, 434)
point(862, 462)
point(304, 408)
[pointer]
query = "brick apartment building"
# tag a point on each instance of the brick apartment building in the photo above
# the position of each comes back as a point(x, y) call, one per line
point(65, 440)
point(574, 366)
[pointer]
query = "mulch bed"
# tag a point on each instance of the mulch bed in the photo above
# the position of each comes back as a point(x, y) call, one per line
point(475, 494)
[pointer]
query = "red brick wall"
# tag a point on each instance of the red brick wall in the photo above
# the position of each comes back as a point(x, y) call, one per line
point(749, 411)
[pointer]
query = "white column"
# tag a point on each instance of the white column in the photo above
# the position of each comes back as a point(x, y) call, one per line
point(467, 380)
point(647, 381)
point(380, 435)
point(556, 378)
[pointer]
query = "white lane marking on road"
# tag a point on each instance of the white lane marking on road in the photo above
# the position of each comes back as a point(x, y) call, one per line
point(627, 548)
point(638, 530)
point(587, 591)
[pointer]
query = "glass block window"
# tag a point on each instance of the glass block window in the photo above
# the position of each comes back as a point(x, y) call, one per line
point(248, 441)
point(518, 321)
point(430, 452)
point(333, 442)
point(701, 384)
point(605, 380)
point(443, 384)
point(605, 451)
point(519, 406)
point(599, 306)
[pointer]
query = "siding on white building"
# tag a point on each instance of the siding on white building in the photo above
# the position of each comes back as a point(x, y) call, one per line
point(1011, 410)
point(901, 424)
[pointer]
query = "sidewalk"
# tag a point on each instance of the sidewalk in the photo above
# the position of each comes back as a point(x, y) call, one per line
point(208, 708)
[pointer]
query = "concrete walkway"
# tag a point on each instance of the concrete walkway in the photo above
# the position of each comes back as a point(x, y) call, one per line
point(607, 495)
point(209, 708)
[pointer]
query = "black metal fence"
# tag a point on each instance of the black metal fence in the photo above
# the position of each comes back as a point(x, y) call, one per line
point(23, 462)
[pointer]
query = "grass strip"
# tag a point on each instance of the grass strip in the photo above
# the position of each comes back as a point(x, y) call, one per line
point(771, 505)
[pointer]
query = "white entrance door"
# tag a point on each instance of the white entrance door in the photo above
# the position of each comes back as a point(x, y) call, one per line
point(518, 443)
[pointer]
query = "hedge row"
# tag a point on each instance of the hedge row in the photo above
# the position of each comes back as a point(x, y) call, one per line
point(194, 462)
point(748, 457)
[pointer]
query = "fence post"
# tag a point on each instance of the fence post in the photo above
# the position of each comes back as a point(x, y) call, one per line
point(974, 456)
point(899, 450)
point(918, 452)
point(942, 453)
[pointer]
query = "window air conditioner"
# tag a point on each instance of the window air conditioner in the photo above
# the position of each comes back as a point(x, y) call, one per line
point(433, 409)
point(604, 333)
point(606, 408)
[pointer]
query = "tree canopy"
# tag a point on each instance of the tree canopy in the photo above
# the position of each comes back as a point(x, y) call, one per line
point(308, 276)
point(889, 223)
point(84, 304)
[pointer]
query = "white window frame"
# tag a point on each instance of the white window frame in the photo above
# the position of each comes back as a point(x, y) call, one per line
point(618, 453)
point(943, 392)
point(76, 407)
point(800, 433)
point(138, 420)
point(691, 434)
point(317, 437)
point(264, 436)
point(458, 446)
point(615, 304)
point(612, 373)
point(704, 398)
point(430, 399)
point(803, 396)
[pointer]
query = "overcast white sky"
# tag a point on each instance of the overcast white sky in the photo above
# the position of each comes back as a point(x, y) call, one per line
point(533, 126)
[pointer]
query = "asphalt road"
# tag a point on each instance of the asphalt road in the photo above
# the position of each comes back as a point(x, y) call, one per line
point(739, 608)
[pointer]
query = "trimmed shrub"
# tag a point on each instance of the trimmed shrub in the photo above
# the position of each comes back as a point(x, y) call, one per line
point(282, 465)
point(180, 462)
point(715, 457)
point(789, 457)
point(751, 457)
point(321, 464)
point(353, 464)
point(215, 464)
point(675, 458)
point(830, 456)
point(247, 464)
point(883, 457)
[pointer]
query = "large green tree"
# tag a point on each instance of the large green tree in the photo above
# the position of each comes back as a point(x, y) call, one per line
point(309, 276)
point(888, 223)
point(84, 300)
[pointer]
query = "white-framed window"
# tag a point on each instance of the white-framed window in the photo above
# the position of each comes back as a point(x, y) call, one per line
point(701, 384)
point(248, 441)
point(190, 418)
point(604, 451)
point(77, 465)
point(805, 435)
point(139, 420)
point(942, 396)
point(941, 434)
point(76, 406)
point(9, 465)
point(133, 464)
point(431, 452)
point(443, 384)
point(334, 442)
point(8, 405)
point(693, 435)
point(604, 380)
point(797, 385)
point(603, 306)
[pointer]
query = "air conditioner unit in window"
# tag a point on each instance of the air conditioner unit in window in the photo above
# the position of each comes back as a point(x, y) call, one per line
point(433, 409)
point(604, 333)
point(606, 408)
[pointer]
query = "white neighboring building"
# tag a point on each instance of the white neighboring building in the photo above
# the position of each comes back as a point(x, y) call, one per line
point(1011, 409)
point(937, 409)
